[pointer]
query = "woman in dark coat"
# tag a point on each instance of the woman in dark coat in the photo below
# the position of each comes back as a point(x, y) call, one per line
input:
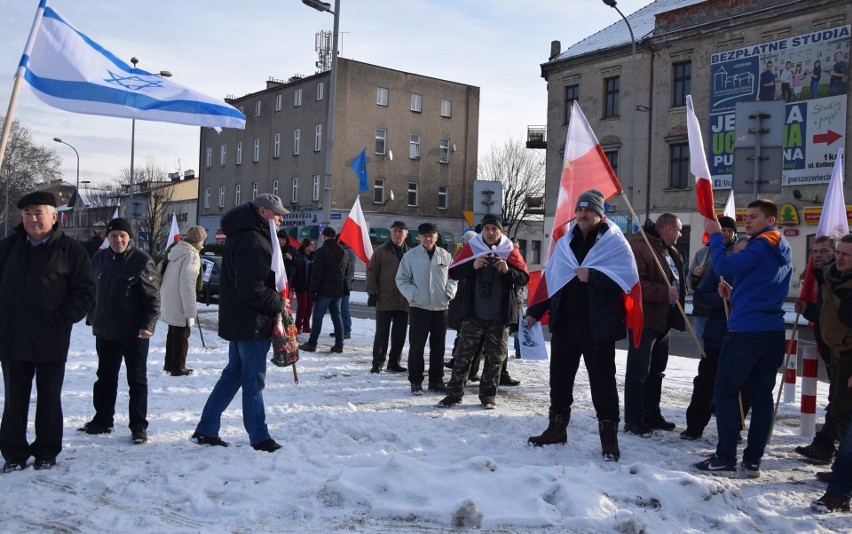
point(301, 283)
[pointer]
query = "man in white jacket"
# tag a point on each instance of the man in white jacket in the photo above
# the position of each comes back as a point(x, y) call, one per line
point(423, 279)
point(177, 298)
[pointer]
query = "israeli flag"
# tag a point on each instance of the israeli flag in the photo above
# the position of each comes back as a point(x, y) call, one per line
point(69, 71)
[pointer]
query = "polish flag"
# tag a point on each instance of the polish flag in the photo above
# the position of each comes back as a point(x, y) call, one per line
point(278, 263)
point(730, 210)
point(105, 244)
point(698, 163)
point(174, 232)
point(832, 222)
point(505, 249)
point(355, 233)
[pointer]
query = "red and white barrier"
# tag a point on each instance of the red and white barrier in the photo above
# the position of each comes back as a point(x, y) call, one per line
point(790, 347)
point(807, 421)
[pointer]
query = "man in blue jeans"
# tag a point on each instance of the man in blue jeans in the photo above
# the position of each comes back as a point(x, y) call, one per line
point(328, 285)
point(248, 303)
point(753, 349)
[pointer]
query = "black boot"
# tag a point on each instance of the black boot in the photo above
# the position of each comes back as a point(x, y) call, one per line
point(609, 440)
point(555, 433)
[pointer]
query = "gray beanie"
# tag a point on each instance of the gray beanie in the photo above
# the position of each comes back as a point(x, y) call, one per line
point(592, 199)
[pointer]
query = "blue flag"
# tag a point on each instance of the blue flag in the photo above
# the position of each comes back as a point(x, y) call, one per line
point(68, 70)
point(360, 168)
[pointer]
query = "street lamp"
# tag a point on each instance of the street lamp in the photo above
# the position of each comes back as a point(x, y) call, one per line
point(77, 186)
point(332, 87)
point(635, 79)
point(164, 74)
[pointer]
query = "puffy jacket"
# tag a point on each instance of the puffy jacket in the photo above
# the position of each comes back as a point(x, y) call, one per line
point(178, 288)
point(127, 296)
point(247, 298)
point(759, 276)
point(655, 291)
point(835, 316)
point(328, 277)
point(381, 278)
point(425, 282)
point(44, 291)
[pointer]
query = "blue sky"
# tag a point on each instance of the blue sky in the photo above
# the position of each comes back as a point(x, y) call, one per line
point(222, 48)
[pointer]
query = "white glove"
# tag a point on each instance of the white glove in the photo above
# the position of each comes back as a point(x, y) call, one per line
point(190, 322)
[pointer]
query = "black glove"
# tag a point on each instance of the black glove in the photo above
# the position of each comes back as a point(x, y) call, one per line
point(372, 300)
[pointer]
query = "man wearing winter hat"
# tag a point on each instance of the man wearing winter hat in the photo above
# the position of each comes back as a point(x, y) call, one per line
point(127, 304)
point(46, 286)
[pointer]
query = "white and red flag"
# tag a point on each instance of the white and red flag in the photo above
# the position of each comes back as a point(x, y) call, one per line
point(277, 267)
point(174, 232)
point(356, 234)
point(477, 247)
point(730, 210)
point(832, 222)
point(698, 163)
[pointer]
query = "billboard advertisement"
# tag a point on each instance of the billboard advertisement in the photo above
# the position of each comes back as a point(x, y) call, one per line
point(810, 73)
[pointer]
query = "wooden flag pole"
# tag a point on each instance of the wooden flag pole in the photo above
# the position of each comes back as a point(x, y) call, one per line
point(739, 393)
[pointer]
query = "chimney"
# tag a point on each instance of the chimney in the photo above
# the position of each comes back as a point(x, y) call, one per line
point(555, 49)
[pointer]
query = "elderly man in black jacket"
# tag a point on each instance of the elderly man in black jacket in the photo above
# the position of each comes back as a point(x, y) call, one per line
point(328, 286)
point(45, 287)
point(127, 304)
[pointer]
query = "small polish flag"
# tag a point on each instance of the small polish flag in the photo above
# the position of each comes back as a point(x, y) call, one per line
point(174, 232)
point(355, 233)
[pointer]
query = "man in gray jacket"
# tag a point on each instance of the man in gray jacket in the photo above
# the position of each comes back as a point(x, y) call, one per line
point(423, 279)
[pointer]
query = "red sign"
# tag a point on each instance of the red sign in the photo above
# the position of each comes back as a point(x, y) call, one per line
point(220, 236)
point(791, 231)
point(812, 214)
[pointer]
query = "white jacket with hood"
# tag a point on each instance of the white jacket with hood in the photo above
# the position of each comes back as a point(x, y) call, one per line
point(177, 289)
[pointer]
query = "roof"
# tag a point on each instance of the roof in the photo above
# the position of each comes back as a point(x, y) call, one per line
point(616, 34)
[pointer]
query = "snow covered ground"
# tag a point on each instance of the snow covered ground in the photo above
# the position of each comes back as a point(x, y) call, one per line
point(361, 454)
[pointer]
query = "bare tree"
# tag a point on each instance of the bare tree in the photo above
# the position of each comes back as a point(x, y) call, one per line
point(521, 171)
point(149, 184)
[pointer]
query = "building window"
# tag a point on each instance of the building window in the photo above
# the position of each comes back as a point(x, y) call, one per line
point(412, 193)
point(416, 103)
point(275, 187)
point(446, 108)
point(317, 137)
point(414, 146)
point(536, 251)
point(294, 191)
point(297, 98)
point(679, 164)
point(221, 196)
point(237, 194)
point(320, 91)
point(572, 93)
point(257, 109)
point(240, 109)
point(253, 190)
point(315, 190)
point(255, 154)
point(278, 99)
point(682, 80)
point(611, 91)
point(612, 157)
point(381, 97)
point(444, 151)
point(379, 190)
point(443, 202)
point(239, 159)
point(276, 145)
point(381, 141)
point(297, 141)
point(206, 198)
point(223, 155)
point(522, 247)
point(208, 158)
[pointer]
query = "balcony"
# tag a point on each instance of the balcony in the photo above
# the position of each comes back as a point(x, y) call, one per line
point(536, 136)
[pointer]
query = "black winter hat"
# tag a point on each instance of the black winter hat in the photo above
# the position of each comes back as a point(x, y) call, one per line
point(37, 198)
point(492, 219)
point(328, 231)
point(427, 228)
point(592, 199)
point(728, 222)
point(119, 224)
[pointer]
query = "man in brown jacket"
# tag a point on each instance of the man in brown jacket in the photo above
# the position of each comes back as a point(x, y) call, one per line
point(646, 365)
point(391, 306)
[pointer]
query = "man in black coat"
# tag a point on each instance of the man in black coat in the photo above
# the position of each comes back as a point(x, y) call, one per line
point(328, 285)
point(127, 304)
point(248, 303)
point(45, 287)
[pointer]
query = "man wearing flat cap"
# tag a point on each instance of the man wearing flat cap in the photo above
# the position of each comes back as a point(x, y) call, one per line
point(423, 279)
point(391, 306)
point(45, 287)
point(248, 303)
point(127, 305)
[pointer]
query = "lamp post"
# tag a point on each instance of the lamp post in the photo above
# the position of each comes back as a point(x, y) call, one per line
point(332, 88)
point(164, 74)
point(632, 123)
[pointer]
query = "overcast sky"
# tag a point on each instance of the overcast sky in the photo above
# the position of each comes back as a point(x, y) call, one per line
point(232, 48)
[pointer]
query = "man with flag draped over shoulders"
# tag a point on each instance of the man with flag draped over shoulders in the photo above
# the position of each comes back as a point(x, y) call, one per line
point(587, 317)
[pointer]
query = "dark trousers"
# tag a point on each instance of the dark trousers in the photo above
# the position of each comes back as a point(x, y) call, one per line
point(105, 390)
point(493, 336)
point(701, 406)
point(177, 344)
point(567, 345)
point(825, 436)
point(425, 324)
point(841, 400)
point(384, 319)
point(18, 383)
point(643, 379)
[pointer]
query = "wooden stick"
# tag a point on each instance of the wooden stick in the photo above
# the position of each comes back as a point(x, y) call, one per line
point(739, 394)
point(789, 351)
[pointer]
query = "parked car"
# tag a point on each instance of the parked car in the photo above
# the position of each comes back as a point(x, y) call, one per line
point(379, 236)
point(211, 266)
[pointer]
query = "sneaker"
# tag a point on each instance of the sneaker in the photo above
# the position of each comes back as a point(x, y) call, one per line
point(417, 390)
point(830, 502)
point(336, 348)
point(397, 369)
point(489, 403)
point(474, 378)
point(751, 470)
point(208, 440)
point(825, 476)
point(437, 387)
point(376, 369)
point(638, 429)
point(659, 423)
point(690, 435)
point(93, 428)
point(44, 463)
point(449, 364)
point(267, 446)
point(716, 466)
point(182, 372)
point(12, 465)
point(448, 401)
point(507, 380)
point(139, 436)
point(815, 453)
point(308, 347)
